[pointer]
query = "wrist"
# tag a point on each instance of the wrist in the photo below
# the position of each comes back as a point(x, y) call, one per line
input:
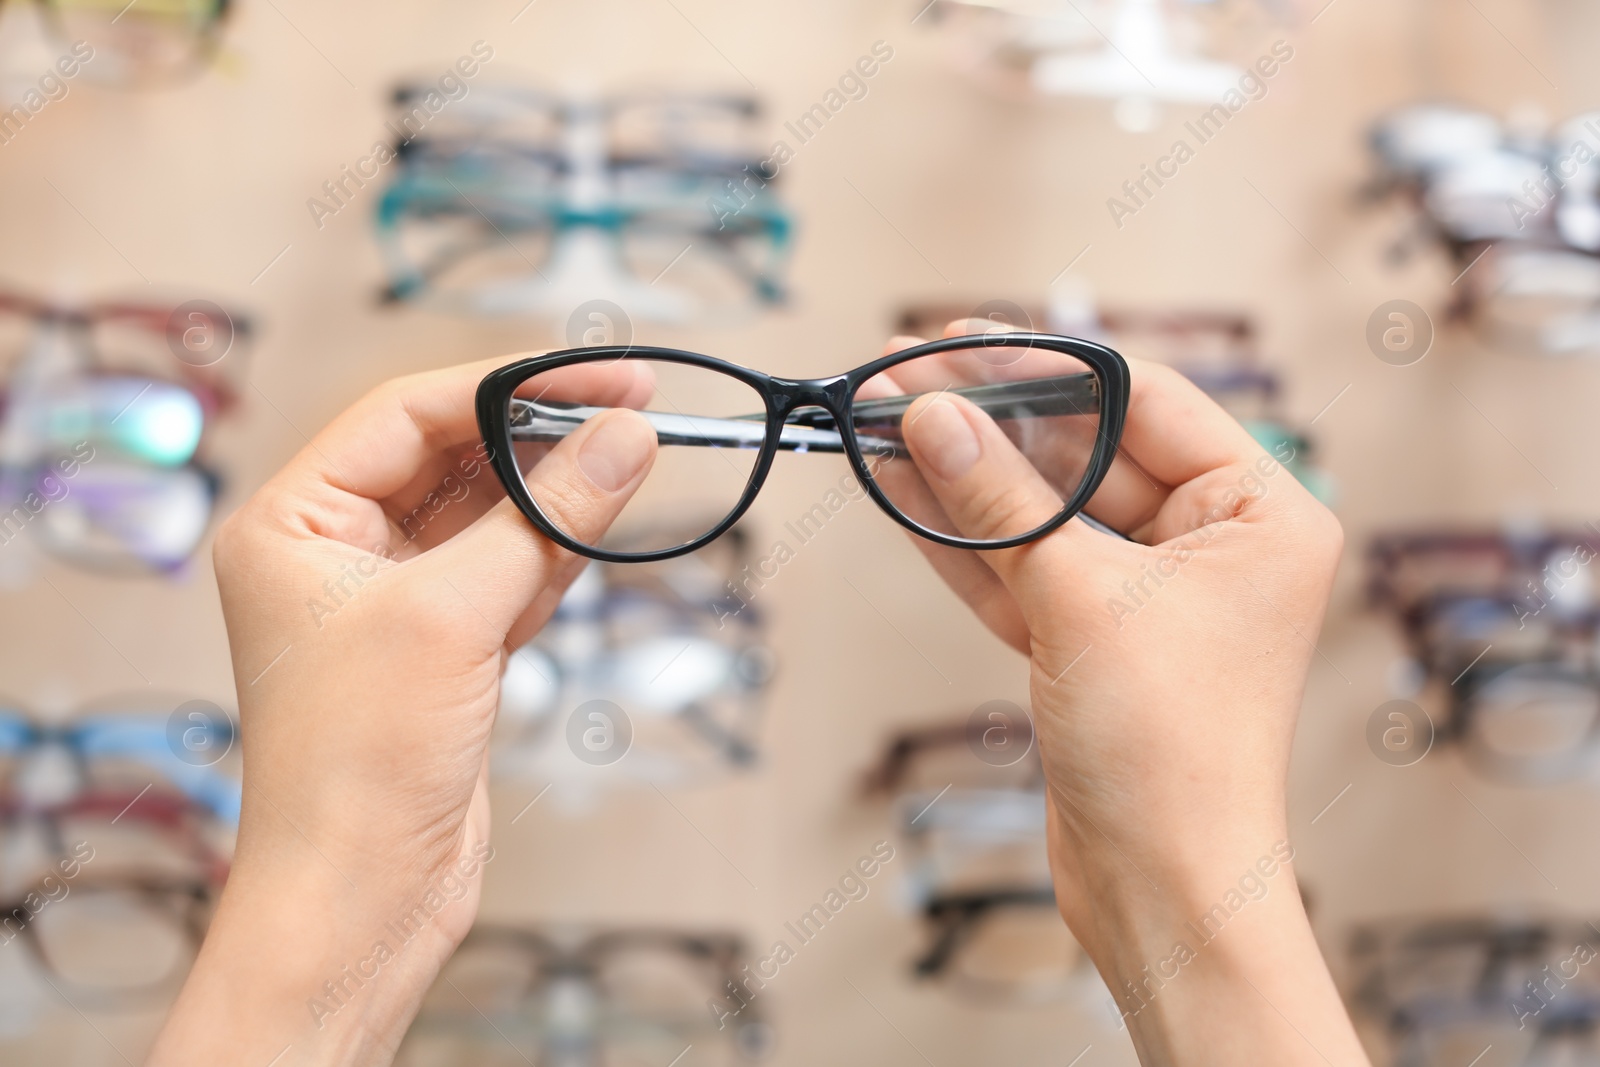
point(300, 964)
point(1217, 964)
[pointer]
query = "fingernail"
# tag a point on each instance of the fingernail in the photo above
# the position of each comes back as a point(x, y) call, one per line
point(943, 439)
point(617, 450)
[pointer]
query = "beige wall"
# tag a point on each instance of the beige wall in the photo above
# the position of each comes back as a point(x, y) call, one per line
point(198, 189)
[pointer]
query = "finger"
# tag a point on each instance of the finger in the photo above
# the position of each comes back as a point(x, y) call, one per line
point(502, 563)
point(380, 445)
point(1174, 434)
point(448, 493)
point(989, 489)
point(967, 573)
point(980, 588)
point(451, 494)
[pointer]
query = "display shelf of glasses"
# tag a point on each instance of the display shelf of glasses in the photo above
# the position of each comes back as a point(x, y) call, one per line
point(105, 410)
point(1507, 989)
point(579, 997)
point(1141, 56)
point(976, 869)
point(648, 674)
point(1515, 206)
point(1218, 350)
point(594, 211)
point(115, 841)
point(1504, 628)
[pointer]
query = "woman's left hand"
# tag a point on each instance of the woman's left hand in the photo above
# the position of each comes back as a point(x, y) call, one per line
point(372, 590)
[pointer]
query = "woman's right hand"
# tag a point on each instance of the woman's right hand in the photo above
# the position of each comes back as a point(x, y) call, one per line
point(1167, 675)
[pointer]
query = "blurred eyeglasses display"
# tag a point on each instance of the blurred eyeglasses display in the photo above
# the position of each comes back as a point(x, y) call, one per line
point(517, 202)
point(652, 672)
point(1139, 54)
point(978, 873)
point(102, 418)
point(107, 940)
point(1507, 628)
point(142, 44)
point(1515, 204)
point(1217, 350)
point(557, 997)
point(44, 764)
point(1444, 990)
point(108, 887)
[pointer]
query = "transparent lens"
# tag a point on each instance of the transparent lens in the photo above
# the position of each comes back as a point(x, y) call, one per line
point(680, 439)
point(1543, 298)
point(466, 241)
point(488, 974)
point(660, 985)
point(114, 940)
point(124, 515)
point(1535, 723)
point(154, 40)
point(1015, 417)
point(1021, 952)
point(722, 255)
point(685, 129)
point(139, 418)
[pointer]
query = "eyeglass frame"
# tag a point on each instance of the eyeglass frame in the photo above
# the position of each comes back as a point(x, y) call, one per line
point(110, 736)
point(835, 395)
point(181, 819)
point(216, 394)
point(196, 896)
point(206, 34)
point(1378, 949)
point(764, 219)
point(553, 958)
point(954, 917)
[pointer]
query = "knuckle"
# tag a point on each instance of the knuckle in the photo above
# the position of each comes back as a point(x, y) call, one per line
point(1327, 530)
point(1006, 512)
point(226, 546)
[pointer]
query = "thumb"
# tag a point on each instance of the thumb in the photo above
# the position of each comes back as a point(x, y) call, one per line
point(501, 563)
point(991, 491)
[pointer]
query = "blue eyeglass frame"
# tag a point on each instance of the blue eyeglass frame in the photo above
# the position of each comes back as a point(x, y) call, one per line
point(137, 738)
point(788, 398)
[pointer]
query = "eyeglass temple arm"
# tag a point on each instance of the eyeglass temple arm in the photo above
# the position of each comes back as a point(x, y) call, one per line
point(813, 430)
point(551, 421)
point(1065, 394)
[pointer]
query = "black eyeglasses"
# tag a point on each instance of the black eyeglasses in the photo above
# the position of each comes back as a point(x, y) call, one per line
point(1059, 401)
point(1508, 627)
point(1431, 982)
point(114, 939)
point(1006, 945)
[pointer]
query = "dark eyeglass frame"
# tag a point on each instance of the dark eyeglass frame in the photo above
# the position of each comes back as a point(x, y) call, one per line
point(210, 385)
point(1518, 558)
point(954, 917)
point(898, 762)
point(1385, 952)
point(175, 817)
point(723, 950)
point(110, 736)
point(187, 901)
point(787, 401)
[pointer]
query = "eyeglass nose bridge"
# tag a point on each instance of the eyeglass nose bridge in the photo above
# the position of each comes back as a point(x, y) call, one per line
point(830, 394)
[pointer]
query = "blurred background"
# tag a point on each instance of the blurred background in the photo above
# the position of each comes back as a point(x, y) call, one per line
point(223, 222)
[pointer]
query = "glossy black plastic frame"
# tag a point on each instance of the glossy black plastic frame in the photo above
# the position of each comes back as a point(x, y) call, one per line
point(784, 397)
